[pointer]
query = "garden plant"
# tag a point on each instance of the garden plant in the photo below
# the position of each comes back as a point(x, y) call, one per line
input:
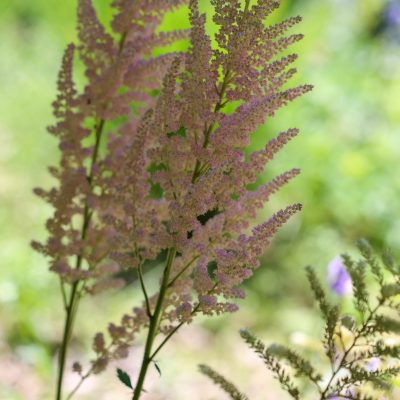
point(156, 169)
point(361, 347)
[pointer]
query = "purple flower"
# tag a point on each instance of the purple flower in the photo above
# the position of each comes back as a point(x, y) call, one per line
point(373, 364)
point(338, 278)
point(393, 14)
point(348, 392)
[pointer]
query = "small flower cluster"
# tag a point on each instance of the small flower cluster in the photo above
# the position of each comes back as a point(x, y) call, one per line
point(363, 349)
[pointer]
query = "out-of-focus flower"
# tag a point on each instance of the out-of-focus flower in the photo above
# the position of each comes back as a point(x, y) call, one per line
point(338, 278)
point(387, 22)
point(373, 364)
point(393, 14)
point(347, 394)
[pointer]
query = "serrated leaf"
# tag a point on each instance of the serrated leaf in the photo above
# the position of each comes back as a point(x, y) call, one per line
point(124, 378)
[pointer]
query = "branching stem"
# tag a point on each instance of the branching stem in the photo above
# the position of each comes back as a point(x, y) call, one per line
point(155, 321)
point(348, 351)
point(72, 303)
point(208, 129)
point(174, 330)
point(182, 271)
point(146, 297)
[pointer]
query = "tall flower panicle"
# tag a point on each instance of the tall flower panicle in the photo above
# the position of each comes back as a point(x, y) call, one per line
point(121, 73)
point(171, 177)
point(80, 238)
point(193, 150)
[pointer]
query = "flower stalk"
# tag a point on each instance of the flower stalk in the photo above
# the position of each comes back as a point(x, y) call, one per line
point(155, 319)
point(73, 302)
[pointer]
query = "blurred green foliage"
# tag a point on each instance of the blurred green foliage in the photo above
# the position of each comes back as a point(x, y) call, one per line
point(348, 150)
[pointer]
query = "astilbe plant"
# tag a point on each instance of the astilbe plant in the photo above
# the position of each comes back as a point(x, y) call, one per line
point(120, 71)
point(362, 348)
point(173, 177)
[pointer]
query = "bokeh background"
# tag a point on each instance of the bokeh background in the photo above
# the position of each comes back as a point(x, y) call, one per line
point(348, 150)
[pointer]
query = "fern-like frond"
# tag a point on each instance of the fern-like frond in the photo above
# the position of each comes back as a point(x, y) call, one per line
point(369, 256)
point(301, 366)
point(272, 363)
point(223, 383)
point(329, 312)
point(363, 357)
point(357, 271)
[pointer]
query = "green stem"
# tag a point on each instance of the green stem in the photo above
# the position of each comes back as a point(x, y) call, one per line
point(155, 321)
point(182, 271)
point(64, 346)
point(348, 351)
point(72, 304)
point(208, 129)
point(174, 330)
point(143, 286)
point(220, 104)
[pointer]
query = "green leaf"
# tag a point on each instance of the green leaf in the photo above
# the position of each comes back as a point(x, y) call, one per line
point(390, 262)
point(227, 386)
point(180, 132)
point(390, 290)
point(124, 378)
point(385, 324)
point(302, 366)
point(348, 321)
point(156, 191)
point(271, 362)
point(357, 271)
point(157, 368)
point(155, 92)
point(212, 268)
point(368, 254)
point(154, 167)
point(319, 293)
